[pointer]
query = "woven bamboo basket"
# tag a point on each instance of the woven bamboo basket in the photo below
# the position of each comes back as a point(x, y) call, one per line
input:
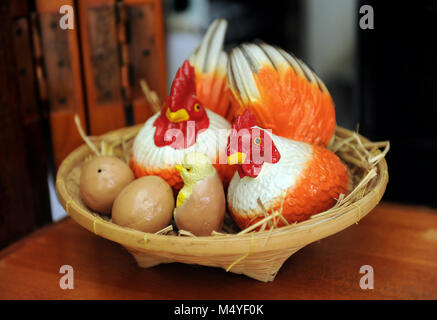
point(257, 254)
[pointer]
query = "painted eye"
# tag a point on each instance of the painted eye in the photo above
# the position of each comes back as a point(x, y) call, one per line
point(257, 140)
point(188, 169)
point(197, 107)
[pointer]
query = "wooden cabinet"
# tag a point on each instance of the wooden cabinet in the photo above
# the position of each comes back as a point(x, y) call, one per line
point(47, 75)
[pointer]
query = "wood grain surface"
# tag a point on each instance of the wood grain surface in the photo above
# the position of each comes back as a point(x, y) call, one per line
point(62, 77)
point(101, 67)
point(147, 52)
point(399, 242)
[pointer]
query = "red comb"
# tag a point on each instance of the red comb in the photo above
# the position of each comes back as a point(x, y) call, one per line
point(245, 120)
point(183, 87)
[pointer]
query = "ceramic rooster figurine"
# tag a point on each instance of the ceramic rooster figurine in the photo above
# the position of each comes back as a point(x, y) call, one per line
point(298, 178)
point(186, 122)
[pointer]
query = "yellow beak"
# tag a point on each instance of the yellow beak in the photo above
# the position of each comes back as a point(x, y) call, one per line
point(236, 158)
point(178, 116)
point(179, 168)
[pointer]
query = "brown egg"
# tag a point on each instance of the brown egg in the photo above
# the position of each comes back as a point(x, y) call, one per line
point(101, 181)
point(204, 211)
point(146, 204)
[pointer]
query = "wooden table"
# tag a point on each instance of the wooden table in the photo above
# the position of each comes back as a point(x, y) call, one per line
point(399, 242)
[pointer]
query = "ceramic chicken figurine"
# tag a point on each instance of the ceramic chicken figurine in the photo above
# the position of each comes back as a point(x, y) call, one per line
point(183, 125)
point(281, 90)
point(201, 203)
point(284, 94)
point(301, 178)
point(192, 116)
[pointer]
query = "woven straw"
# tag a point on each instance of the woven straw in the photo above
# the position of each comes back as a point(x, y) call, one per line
point(257, 254)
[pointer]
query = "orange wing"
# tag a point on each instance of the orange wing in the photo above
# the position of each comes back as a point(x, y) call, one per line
point(285, 94)
point(210, 62)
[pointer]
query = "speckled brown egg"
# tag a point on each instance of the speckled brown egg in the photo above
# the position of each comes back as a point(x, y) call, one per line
point(101, 181)
point(146, 204)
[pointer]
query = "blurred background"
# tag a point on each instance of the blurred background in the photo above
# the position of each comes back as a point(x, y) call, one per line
point(382, 80)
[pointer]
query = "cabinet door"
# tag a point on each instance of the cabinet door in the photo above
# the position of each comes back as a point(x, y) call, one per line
point(101, 65)
point(62, 78)
point(122, 42)
point(145, 42)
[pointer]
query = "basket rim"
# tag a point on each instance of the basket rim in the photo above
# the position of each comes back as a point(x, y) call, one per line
point(286, 237)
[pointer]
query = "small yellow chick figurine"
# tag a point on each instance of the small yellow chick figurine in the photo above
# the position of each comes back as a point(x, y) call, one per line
point(201, 203)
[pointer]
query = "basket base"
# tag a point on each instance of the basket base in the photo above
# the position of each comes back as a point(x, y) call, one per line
point(254, 266)
point(145, 260)
point(262, 269)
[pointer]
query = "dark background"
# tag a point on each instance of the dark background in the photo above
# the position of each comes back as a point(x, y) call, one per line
point(397, 93)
